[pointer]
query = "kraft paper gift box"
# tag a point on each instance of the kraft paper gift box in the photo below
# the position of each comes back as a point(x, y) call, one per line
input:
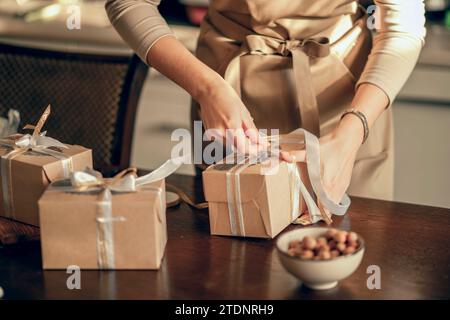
point(248, 199)
point(260, 207)
point(98, 223)
point(28, 164)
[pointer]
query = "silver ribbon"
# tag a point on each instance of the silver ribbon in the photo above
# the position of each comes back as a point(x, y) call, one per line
point(21, 144)
point(124, 182)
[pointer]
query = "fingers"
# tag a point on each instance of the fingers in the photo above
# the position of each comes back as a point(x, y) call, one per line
point(253, 134)
point(239, 132)
point(235, 138)
point(215, 134)
point(242, 143)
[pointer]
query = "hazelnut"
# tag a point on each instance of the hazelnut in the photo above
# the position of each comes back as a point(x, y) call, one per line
point(306, 254)
point(352, 244)
point(331, 233)
point(309, 243)
point(291, 252)
point(324, 255)
point(334, 253)
point(324, 247)
point(322, 240)
point(340, 237)
point(341, 246)
point(295, 244)
point(352, 237)
point(332, 244)
point(349, 250)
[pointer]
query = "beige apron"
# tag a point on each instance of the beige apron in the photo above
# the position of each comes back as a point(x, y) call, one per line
point(293, 67)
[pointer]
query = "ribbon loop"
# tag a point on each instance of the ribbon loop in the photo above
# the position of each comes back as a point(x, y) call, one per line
point(316, 47)
point(311, 143)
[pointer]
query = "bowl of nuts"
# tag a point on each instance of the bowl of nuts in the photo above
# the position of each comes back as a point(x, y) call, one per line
point(320, 257)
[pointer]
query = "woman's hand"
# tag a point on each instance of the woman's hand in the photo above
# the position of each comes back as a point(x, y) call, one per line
point(338, 154)
point(227, 118)
point(338, 151)
point(221, 107)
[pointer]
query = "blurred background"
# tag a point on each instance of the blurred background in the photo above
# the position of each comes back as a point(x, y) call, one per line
point(421, 112)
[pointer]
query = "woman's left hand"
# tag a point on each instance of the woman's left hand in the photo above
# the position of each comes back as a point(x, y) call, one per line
point(337, 156)
point(338, 151)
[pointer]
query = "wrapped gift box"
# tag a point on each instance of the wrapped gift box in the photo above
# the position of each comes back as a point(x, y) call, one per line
point(28, 163)
point(30, 174)
point(98, 223)
point(249, 203)
point(260, 198)
point(70, 229)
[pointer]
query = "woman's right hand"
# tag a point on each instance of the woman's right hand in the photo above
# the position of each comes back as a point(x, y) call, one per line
point(221, 107)
point(223, 111)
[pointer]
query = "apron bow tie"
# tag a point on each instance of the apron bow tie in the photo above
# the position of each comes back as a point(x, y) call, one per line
point(314, 47)
point(301, 52)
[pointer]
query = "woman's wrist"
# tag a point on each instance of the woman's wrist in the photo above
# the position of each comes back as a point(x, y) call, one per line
point(371, 101)
point(350, 131)
point(206, 85)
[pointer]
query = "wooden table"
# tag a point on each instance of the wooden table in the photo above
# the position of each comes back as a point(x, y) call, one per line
point(409, 243)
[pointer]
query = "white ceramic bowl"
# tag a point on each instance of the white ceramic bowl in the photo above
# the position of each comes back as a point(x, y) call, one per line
point(317, 274)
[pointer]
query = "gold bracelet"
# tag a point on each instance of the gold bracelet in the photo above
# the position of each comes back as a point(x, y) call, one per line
point(361, 116)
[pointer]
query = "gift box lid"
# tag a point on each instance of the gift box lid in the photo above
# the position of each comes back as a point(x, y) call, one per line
point(146, 193)
point(50, 165)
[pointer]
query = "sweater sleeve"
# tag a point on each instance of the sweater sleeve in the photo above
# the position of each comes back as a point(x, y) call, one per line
point(138, 22)
point(397, 45)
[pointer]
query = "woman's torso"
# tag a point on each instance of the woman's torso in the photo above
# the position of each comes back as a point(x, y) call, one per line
point(283, 19)
point(266, 84)
point(225, 31)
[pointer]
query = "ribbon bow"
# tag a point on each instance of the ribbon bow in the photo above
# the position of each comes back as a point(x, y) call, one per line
point(88, 180)
point(301, 52)
point(36, 141)
point(313, 47)
point(20, 144)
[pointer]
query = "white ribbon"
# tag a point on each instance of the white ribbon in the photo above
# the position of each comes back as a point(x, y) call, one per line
point(312, 147)
point(10, 125)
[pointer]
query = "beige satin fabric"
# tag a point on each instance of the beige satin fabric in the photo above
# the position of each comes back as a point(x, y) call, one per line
point(301, 51)
point(285, 86)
